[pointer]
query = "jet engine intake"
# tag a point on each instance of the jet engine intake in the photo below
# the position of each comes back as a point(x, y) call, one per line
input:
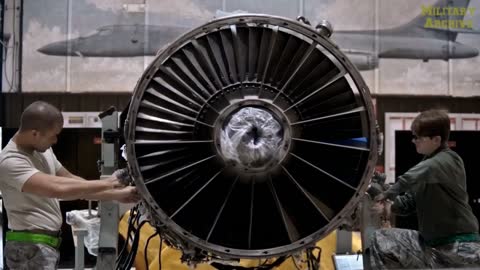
point(250, 136)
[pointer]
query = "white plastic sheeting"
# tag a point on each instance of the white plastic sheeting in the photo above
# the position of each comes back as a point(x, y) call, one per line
point(252, 137)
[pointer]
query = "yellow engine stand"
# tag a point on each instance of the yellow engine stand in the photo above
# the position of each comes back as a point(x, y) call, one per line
point(170, 257)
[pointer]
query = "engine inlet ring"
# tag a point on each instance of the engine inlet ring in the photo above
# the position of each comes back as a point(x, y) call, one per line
point(284, 68)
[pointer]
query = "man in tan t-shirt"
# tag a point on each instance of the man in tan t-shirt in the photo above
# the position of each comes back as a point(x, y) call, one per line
point(32, 180)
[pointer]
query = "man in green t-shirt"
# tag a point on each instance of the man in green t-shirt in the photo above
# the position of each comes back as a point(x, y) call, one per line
point(436, 190)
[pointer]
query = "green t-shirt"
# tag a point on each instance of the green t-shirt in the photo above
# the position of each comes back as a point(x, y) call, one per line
point(438, 189)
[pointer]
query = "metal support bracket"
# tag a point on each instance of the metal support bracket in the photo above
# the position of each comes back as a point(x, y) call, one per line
point(109, 211)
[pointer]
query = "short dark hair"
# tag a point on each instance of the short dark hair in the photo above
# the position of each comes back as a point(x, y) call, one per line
point(40, 116)
point(432, 123)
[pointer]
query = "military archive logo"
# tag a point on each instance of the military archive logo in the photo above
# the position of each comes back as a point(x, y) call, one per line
point(447, 17)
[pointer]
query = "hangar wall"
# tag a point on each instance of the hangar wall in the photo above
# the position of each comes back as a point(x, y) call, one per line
point(103, 46)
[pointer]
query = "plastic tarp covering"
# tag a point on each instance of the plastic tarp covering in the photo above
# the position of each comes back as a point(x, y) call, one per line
point(171, 257)
point(252, 137)
point(82, 220)
point(404, 249)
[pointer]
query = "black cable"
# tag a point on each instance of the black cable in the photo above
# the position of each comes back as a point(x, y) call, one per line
point(132, 219)
point(133, 251)
point(160, 253)
point(310, 256)
point(319, 257)
point(313, 261)
point(295, 263)
point(124, 254)
point(309, 262)
point(123, 250)
point(145, 249)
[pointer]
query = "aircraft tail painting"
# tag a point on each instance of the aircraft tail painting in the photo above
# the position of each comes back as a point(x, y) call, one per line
point(442, 20)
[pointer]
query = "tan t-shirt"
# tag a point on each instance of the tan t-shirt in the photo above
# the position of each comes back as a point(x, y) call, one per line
point(28, 211)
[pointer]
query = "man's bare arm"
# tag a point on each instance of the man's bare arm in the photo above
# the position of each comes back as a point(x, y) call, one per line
point(127, 194)
point(63, 172)
point(63, 187)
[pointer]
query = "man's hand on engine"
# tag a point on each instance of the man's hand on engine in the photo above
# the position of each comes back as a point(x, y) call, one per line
point(123, 176)
point(380, 197)
point(127, 194)
point(114, 182)
point(379, 178)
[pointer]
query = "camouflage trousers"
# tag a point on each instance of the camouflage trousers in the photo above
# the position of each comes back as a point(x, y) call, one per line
point(405, 249)
point(26, 256)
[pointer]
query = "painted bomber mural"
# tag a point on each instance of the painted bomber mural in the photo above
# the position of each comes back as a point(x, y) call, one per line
point(401, 47)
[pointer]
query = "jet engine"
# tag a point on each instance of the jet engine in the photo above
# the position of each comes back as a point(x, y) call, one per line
point(251, 136)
